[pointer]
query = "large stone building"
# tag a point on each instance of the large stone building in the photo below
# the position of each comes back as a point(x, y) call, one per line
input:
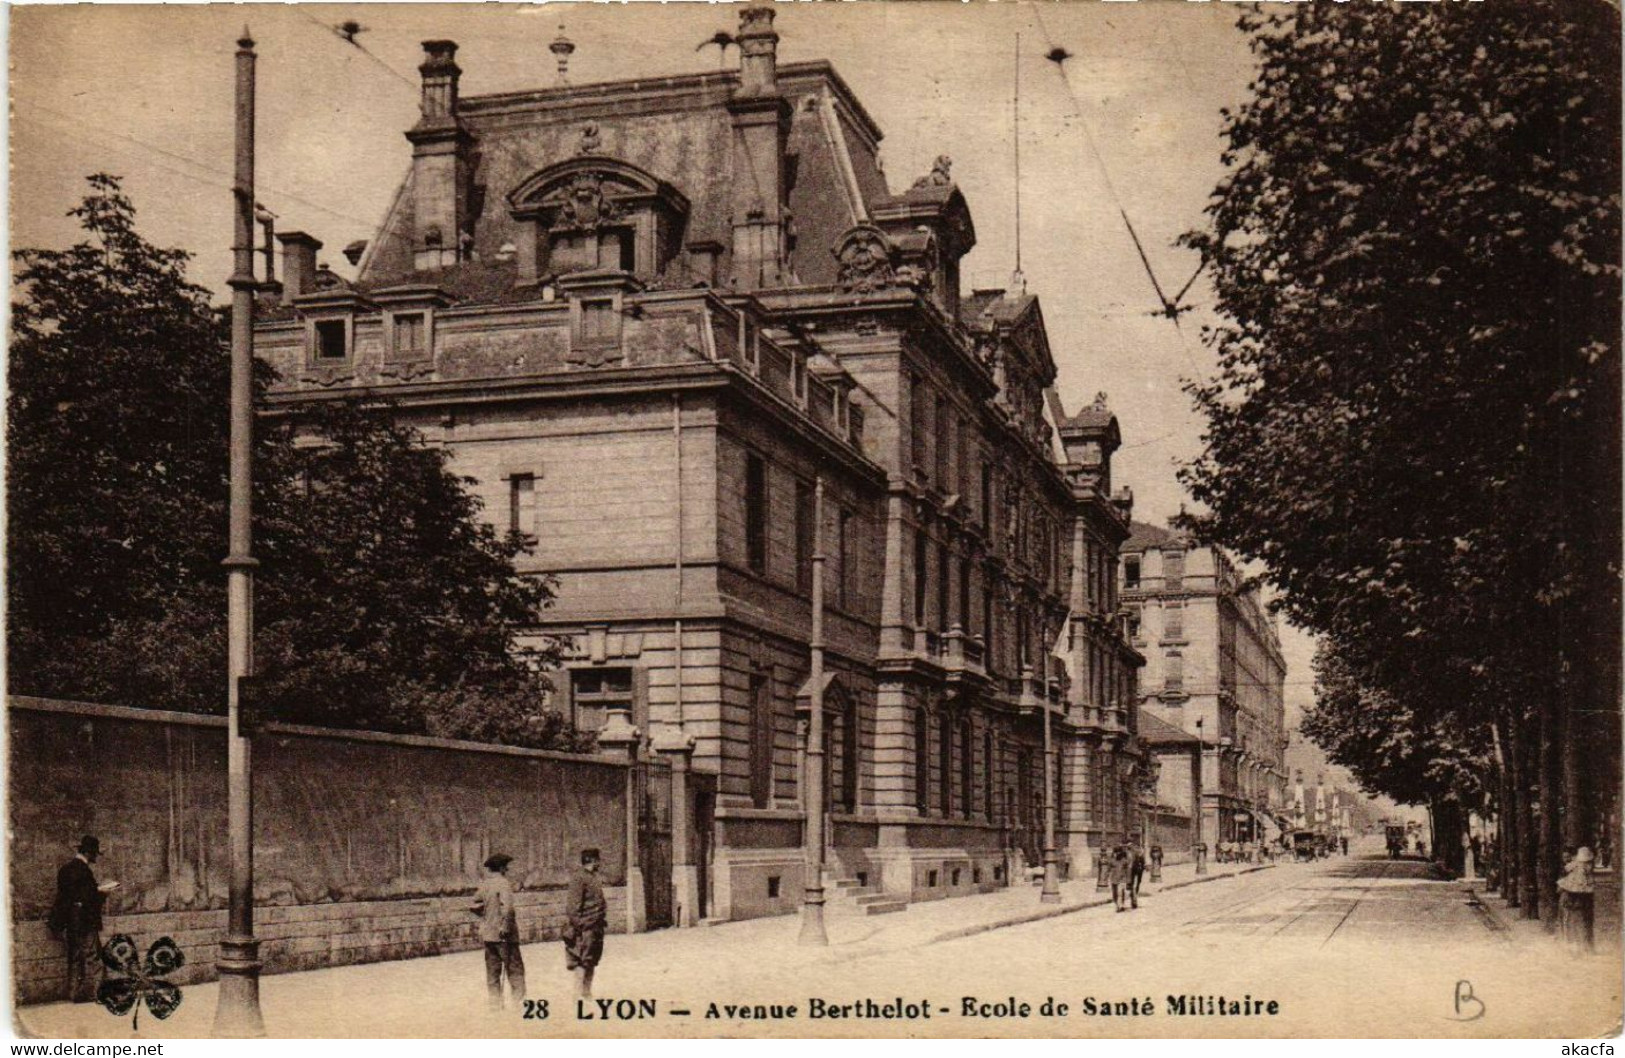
point(683, 334)
point(1214, 670)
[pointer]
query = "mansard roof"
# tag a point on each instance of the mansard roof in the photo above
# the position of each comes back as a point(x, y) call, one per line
point(1144, 536)
point(677, 131)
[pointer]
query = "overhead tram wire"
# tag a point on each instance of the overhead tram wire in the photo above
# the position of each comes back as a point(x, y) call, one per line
point(79, 130)
point(1061, 55)
point(347, 35)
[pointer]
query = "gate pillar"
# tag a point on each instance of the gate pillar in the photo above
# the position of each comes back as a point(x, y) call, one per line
point(620, 738)
point(678, 749)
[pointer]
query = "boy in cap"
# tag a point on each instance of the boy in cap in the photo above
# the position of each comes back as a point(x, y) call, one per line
point(499, 931)
point(586, 918)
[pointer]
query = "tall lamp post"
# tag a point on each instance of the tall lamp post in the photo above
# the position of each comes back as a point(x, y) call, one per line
point(1051, 893)
point(1196, 799)
point(812, 901)
point(238, 1010)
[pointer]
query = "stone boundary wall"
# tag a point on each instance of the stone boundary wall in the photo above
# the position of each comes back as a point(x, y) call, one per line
point(368, 846)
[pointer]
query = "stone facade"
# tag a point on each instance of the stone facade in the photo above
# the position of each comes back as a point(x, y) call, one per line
point(1214, 670)
point(655, 320)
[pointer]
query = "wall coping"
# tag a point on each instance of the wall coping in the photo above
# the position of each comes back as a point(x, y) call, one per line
point(167, 716)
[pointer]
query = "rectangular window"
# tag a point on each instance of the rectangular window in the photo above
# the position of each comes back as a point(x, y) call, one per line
point(1131, 573)
point(989, 652)
point(920, 546)
point(804, 537)
point(944, 439)
point(1173, 621)
point(922, 761)
point(761, 741)
point(594, 692)
point(409, 334)
point(332, 340)
point(1173, 569)
point(1023, 648)
point(522, 504)
point(989, 801)
point(945, 766)
point(600, 323)
point(942, 587)
point(756, 513)
point(918, 426)
point(1173, 673)
point(964, 596)
point(986, 510)
point(967, 766)
point(847, 587)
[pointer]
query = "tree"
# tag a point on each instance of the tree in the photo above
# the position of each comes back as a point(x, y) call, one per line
point(1414, 428)
point(383, 601)
point(116, 371)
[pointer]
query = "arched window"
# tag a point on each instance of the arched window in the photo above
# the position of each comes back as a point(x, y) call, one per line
point(592, 213)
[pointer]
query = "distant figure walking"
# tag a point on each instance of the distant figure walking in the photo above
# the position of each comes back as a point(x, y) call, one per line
point(586, 919)
point(77, 916)
point(499, 932)
point(1577, 893)
point(1118, 872)
point(1136, 874)
point(1344, 841)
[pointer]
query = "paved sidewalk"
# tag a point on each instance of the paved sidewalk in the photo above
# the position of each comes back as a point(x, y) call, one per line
point(413, 997)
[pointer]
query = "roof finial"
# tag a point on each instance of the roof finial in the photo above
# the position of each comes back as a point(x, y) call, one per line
point(563, 47)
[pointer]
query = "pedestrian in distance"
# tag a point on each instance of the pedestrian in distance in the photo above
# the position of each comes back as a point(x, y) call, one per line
point(1136, 874)
point(76, 916)
point(1117, 873)
point(1577, 895)
point(586, 919)
point(1344, 841)
point(499, 932)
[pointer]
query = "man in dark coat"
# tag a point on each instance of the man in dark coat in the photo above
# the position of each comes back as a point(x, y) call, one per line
point(586, 917)
point(1136, 874)
point(77, 915)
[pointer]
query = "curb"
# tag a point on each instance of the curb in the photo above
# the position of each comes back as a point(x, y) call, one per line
point(1216, 877)
point(1068, 909)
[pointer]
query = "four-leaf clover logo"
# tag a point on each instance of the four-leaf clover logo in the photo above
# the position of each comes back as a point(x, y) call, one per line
point(140, 979)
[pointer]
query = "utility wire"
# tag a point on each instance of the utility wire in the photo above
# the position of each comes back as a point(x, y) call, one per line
point(79, 130)
point(335, 31)
point(1111, 187)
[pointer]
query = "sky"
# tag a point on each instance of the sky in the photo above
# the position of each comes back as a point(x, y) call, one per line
point(1131, 123)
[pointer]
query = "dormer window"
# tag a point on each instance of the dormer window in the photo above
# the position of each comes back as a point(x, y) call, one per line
point(407, 334)
point(593, 213)
point(332, 340)
point(600, 322)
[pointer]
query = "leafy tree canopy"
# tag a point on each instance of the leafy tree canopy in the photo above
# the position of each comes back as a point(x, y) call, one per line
point(383, 601)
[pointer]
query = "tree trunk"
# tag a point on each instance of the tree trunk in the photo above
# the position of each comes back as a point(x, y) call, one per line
point(1528, 844)
point(1506, 846)
point(1550, 865)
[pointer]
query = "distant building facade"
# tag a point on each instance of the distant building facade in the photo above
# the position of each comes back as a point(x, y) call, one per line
point(683, 335)
point(1214, 670)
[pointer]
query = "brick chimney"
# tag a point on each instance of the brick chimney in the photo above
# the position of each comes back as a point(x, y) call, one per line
point(440, 163)
point(298, 263)
point(761, 121)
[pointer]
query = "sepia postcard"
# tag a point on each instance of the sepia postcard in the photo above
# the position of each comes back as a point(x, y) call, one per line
point(1089, 519)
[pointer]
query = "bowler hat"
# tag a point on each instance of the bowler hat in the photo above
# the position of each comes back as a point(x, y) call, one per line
point(498, 861)
point(90, 846)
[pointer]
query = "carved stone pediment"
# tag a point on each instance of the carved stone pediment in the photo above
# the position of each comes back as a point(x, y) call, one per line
point(583, 205)
point(866, 260)
point(590, 191)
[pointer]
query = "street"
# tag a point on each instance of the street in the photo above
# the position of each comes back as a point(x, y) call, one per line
point(1357, 946)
